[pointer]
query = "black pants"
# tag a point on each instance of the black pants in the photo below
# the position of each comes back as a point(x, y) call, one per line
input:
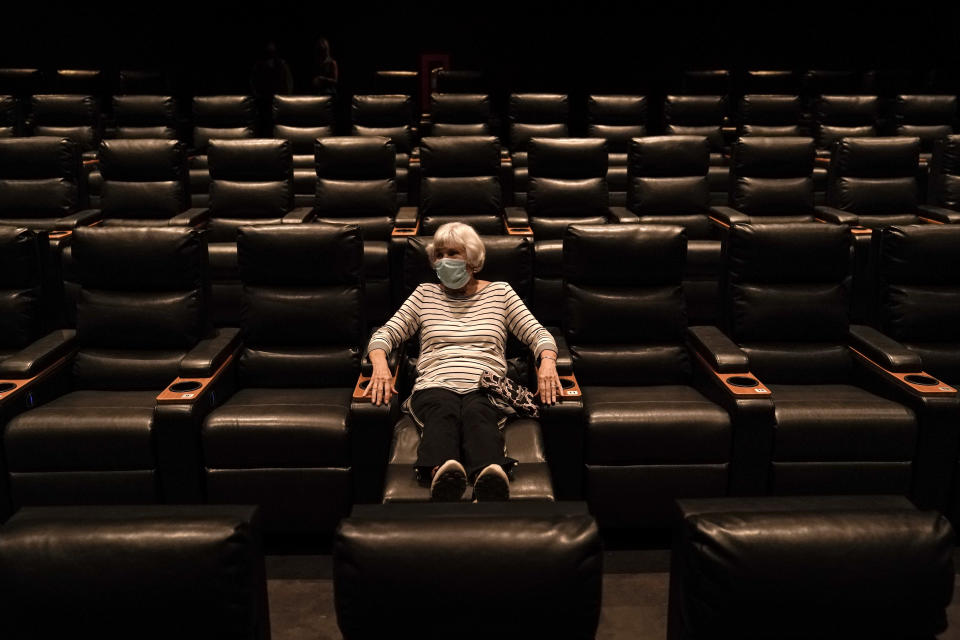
point(458, 427)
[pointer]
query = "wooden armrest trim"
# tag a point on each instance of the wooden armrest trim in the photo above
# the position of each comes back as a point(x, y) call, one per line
point(909, 380)
point(361, 386)
point(860, 231)
point(519, 231)
point(189, 390)
point(399, 232)
point(737, 383)
point(59, 235)
point(930, 220)
point(720, 222)
point(14, 387)
point(571, 388)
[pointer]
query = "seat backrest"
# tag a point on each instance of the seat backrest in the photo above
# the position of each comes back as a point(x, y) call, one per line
point(706, 82)
point(142, 304)
point(86, 81)
point(668, 175)
point(845, 117)
point(302, 119)
point(250, 178)
point(537, 115)
point(21, 83)
point(460, 176)
point(874, 175)
point(460, 114)
point(356, 176)
point(928, 117)
point(145, 116)
point(223, 117)
point(21, 279)
point(769, 115)
point(624, 314)
point(568, 177)
point(945, 172)
point(302, 315)
point(386, 115)
point(143, 178)
point(617, 119)
point(8, 116)
point(696, 116)
point(71, 116)
point(40, 177)
point(785, 300)
point(772, 176)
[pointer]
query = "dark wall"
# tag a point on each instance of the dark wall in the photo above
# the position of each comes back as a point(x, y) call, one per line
point(596, 46)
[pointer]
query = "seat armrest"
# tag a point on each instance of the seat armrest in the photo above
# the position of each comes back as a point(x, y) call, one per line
point(406, 222)
point(366, 367)
point(727, 216)
point(190, 218)
point(938, 214)
point(883, 350)
point(516, 217)
point(80, 218)
point(31, 360)
point(207, 356)
point(622, 215)
point(836, 216)
point(298, 215)
point(719, 351)
point(564, 360)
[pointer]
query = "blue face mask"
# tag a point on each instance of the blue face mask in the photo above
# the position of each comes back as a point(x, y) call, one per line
point(452, 272)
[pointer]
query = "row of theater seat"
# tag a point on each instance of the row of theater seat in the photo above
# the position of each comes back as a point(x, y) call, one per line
point(143, 402)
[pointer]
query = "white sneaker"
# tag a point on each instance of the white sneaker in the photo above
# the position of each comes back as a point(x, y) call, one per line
point(449, 482)
point(492, 483)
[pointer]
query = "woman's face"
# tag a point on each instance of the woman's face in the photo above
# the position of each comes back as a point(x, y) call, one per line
point(454, 252)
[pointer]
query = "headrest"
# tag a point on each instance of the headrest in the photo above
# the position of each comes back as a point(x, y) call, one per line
point(460, 156)
point(298, 255)
point(139, 258)
point(253, 159)
point(142, 160)
point(927, 109)
point(355, 158)
point(385, 110)
point(772, 79)
point(459, 108)
point(571, 158)
point(508, 259)
point(533, 108)
point(666, 156)
point(894, 157)
point(224, 111)
point(19, 258)
point(617, 110)
point(770, 109)
point(39, 157)
point(624, 255)
point(144, 110)
point(946, 153)
point(924, 253)
point(694, 110)
point(788, 253)
point(848, 110)
point(303, 111)
point(64, 109)
point(715, 81)
point(776, 157)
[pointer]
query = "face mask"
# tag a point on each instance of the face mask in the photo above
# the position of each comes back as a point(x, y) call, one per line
point(452, 272)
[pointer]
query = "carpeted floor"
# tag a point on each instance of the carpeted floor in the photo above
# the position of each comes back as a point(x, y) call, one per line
point(634, 597)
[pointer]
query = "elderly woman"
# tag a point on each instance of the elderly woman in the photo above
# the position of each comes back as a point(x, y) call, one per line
point(463, 325)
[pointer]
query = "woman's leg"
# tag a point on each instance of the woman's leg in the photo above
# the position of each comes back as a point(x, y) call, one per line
point(482, 441)
point(439, 411)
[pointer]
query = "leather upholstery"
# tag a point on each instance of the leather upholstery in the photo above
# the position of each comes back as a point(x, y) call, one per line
point(875, 176)
point(886, 566)
point(301, 120)
point(769, 115)
point(389, 116)
point(460, 181)
point(945, 173)
point(460, 114)
point(9, 116)
point(772, 176)
point(696, 116)
point(845, 116)
point(40, 178)
point(21, 287)
point(102, 571)
point(222, 117)
point(617, 119)
point(928, 117)
point(67, 115)
point(145, 116)
point(143, 179)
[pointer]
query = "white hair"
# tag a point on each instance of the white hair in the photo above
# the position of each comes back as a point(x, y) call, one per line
point(457, 234)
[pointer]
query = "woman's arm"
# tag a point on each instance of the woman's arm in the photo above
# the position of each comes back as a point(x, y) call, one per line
point(525, 327)
point(392, 334)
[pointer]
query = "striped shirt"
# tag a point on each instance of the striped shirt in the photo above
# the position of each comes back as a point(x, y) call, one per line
point(461, 336)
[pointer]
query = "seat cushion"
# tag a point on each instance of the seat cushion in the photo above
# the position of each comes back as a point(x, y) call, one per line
point(371, 227)
point(667, 424)
point(40, 224)
point(85, 431)
point(840, 423)
point(279, 428)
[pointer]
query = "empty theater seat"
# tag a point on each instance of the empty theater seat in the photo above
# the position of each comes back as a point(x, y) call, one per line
point(617, 119)
point(460, 114)
point(928, 117)
point(72, 116)
point(144, 116)
point(216, 118)
point(668, 185)
point(844, 116)
point(388, 116)
point(945, 175)
point(301, 120)
point(291, 438)
point(532, 115)
point(649, 435)
point(109, 572)
point(701, 116)
point(769, 115)
point(251, 183)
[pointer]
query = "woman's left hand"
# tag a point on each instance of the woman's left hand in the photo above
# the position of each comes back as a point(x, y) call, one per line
point(548, 382)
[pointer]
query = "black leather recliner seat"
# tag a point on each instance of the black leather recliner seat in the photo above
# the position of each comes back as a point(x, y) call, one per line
point(770, 115)
point(460, 114)
point(216, 118)
point(705, 116)
point(301, 120)
point(928, 117)
point(144, 116)
point(72, 116)
point(945, 176)
point(532, 115)
point(617, 119)
point(389, 116)
point(844, 116)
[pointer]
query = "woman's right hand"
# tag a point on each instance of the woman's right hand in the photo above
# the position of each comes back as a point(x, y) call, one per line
point(380, 388)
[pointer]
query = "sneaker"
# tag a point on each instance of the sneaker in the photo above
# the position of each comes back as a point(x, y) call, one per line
point(492, 483)
point(449, 482)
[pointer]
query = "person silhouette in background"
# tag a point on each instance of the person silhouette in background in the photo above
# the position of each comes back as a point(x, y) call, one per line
point(326, 74)
point(270, 75)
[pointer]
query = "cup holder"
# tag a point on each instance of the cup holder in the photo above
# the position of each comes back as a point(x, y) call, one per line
point(743, 381)
point(7, 386)
point(916, 378)
point(364, 384)
point(566, 383)
point(183, 387)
